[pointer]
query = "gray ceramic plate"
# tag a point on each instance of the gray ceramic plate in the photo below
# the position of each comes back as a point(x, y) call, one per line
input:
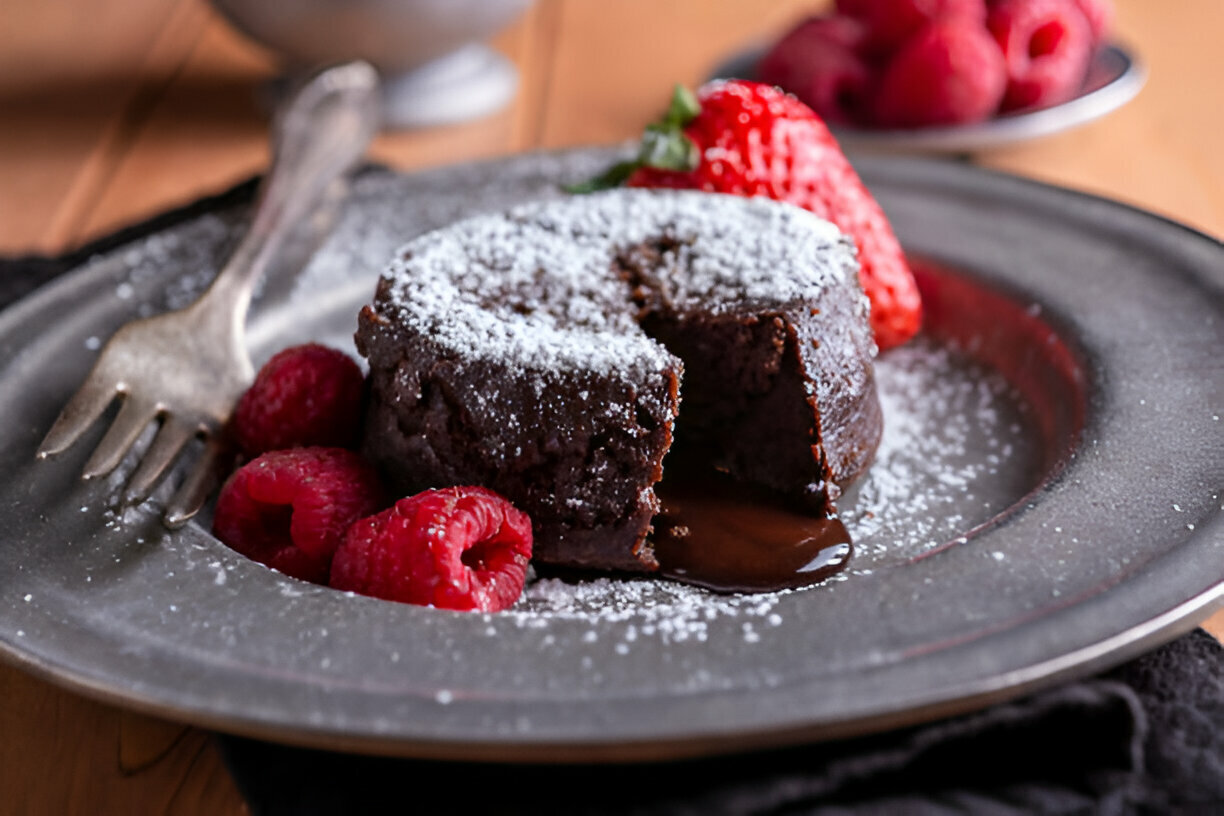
point(1048, 504)
point(1114, 78)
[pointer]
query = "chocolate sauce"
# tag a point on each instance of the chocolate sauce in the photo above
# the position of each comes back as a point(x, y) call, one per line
point(723, 535)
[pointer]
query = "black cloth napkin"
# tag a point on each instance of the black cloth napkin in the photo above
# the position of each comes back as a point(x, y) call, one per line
point(20, 276)
point(1145, 738)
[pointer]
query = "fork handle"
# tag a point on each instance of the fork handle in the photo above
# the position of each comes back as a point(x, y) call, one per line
point(317, 137)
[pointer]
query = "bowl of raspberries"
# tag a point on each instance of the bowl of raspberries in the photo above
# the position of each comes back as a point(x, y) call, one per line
point(305, 503)
point(950, 75)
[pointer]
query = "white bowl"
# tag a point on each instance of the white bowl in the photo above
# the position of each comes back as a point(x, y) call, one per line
point(433, 66)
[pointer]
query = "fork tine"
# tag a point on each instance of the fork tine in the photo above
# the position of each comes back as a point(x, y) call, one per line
point(171, 437)
point(83, 409)
point(201, 482)
point(134, 416)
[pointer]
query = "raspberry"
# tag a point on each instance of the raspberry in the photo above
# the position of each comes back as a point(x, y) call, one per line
point(457, 548)
point(1099, 14)
point(950, 72)
point(304, 396)
point(1047, 46)
point(290, 509)
point(818, 62)
point(890, 23)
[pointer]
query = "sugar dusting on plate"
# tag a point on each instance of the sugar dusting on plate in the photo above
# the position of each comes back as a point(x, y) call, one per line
point(939, 408)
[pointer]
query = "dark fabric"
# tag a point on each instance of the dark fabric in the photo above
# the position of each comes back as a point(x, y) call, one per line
point(20, 276)
point(1145, 738)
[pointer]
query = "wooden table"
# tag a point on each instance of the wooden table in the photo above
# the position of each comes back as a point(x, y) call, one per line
point(114, 110)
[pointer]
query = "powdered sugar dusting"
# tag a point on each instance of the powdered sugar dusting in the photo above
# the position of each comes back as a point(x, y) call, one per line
point(535, 286)
point(956, 451)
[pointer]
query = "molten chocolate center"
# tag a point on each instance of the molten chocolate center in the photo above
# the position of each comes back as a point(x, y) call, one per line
point(726, 536)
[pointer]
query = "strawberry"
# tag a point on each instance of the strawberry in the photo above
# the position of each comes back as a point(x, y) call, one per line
point(751, 139)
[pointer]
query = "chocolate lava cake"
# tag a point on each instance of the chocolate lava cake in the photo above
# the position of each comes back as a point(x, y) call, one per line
point(543, 353)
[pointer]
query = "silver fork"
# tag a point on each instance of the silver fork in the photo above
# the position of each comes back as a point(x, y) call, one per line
point(186, 369)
